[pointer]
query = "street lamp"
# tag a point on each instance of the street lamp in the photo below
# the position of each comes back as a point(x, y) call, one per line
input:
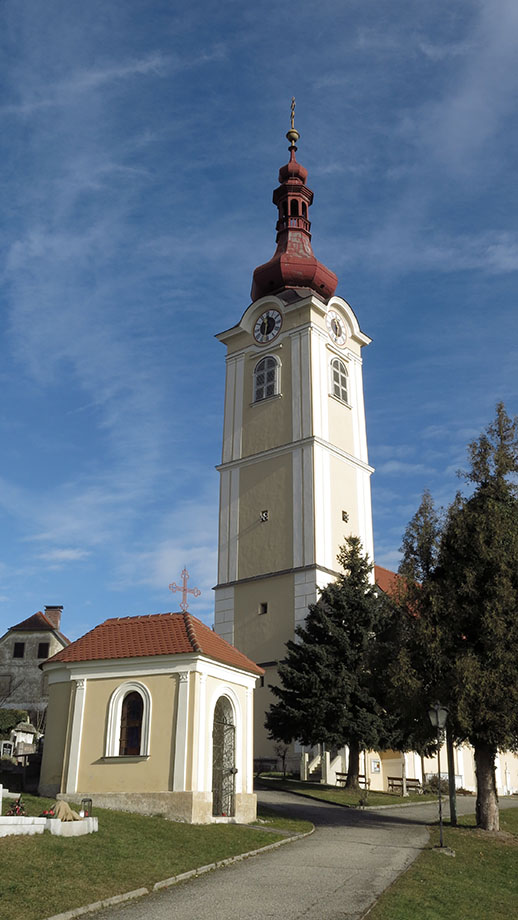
point(438, 715)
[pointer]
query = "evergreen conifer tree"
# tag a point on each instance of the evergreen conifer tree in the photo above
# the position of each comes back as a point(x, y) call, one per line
point(463, 647)
point(328, 692)
point(477, 581)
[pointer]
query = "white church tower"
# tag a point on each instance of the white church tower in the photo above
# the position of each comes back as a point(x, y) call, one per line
point(295, 476)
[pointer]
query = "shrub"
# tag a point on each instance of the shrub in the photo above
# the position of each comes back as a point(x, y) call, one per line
point(433, 785)
point(9, 718)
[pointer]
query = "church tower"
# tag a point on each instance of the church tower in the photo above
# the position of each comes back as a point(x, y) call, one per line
point(295, 477)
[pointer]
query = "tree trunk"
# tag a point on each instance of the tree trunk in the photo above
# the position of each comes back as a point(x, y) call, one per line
point(352, 781)
point(487, 798)
point(403, 774)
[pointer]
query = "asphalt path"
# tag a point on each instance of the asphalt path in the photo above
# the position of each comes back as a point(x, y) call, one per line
point(335, 874)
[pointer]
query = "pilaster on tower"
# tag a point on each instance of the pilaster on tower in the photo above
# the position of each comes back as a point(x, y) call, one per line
point(295, 476)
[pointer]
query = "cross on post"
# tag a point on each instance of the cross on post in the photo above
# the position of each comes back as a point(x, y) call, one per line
point(184, 589)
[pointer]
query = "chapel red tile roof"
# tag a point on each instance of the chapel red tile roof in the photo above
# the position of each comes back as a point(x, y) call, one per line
point(156, 634)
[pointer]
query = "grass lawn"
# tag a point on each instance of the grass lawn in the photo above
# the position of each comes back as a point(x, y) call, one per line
point(340, 796)
point(46, 875)
point(480, 883)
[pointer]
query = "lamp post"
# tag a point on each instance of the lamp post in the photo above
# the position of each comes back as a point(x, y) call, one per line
point(438, 715)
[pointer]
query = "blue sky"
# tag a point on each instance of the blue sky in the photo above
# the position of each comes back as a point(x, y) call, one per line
point(140, 145)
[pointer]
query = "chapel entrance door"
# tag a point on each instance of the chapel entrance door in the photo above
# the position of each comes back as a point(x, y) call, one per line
point(223, 759)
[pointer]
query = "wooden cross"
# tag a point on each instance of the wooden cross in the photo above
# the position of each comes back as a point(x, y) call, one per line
point(184, 589)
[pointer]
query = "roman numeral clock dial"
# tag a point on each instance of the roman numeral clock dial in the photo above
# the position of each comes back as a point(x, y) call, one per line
point(336, 328)
point(267, 326)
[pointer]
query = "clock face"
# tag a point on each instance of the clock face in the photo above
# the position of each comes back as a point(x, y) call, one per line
point(336, 328)
point(268, 326)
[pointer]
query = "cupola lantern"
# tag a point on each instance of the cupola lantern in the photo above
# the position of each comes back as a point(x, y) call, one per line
point(294, 264)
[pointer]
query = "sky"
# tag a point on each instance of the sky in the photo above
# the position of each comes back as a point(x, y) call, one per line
point(140, 144)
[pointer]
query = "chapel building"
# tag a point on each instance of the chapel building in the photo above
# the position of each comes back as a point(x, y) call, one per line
point(152, 714)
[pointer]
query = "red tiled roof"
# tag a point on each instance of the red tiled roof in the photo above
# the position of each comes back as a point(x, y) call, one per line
point(386, 580)
point(156, 634)
point(36, 623)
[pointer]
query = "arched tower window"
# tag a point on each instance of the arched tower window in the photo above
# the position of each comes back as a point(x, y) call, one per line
point(294, 208)
point(304, 209)
point(266, 378)
point(339, 382)
point(129, 721)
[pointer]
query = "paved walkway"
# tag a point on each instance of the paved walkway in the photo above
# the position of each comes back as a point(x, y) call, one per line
point(335, 874)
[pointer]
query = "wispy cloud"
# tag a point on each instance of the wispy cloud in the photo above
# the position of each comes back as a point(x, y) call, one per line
point(62, 556)
point(65, 92)
point(404, 244)
point(440, 52)
point(187, 537)
point(389, 559)
point(398, 467)
point(455, 128)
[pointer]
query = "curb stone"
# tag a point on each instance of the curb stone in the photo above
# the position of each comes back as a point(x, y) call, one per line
point(174, 880)
point(96, 905)
point(400, 805)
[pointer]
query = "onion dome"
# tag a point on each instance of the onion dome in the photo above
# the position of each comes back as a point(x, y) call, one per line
point(294, 264)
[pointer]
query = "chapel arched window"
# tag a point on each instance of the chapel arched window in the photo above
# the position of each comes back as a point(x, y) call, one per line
point(131, 723)
point(339, 381)
point(266, 378)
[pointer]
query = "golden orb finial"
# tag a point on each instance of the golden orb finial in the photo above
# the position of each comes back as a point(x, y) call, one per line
point(293, 135)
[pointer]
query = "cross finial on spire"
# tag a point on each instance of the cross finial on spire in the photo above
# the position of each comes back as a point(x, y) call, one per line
point(293, 135)
point(184, 589)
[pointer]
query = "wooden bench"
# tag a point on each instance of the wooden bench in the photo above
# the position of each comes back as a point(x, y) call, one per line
point(342, 778)
point(395, 784)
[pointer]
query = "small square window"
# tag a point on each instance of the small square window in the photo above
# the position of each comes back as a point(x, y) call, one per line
point(345, 517)
point(19, 650)
point(263, 608)
point(43, 650)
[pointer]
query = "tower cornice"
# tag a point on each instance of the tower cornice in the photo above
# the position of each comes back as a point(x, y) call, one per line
point(289, 448)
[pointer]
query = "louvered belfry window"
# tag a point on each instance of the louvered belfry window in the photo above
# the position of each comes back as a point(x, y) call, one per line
point(131, 723)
